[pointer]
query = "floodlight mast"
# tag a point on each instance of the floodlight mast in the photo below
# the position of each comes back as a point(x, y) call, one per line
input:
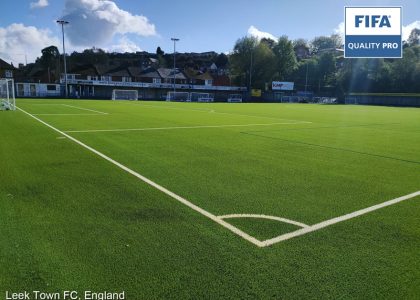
point(62, 23)
point(174, 40)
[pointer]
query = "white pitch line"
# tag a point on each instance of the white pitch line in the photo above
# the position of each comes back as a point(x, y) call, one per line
point(87, 109)
point(41, 103)
point(178, 127)
point(255, 216)
point(336, 220)
point(67, 114)
point(220, 113)
point(164, 190)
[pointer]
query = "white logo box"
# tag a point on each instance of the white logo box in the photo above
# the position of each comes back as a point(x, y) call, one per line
point(394, 15)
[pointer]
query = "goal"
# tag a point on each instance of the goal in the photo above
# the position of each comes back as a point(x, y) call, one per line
point(178, 96)
point(201, 97)
point(7, 94)
point(234, 98)
point(125, 95)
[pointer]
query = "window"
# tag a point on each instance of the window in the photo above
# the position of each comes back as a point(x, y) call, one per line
point(51, 87)
point(157, 80)
point(8, 74)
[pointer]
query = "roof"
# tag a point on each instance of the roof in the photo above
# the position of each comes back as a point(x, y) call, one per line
point(194, 74)
point(5, 65)
point(123, 72)
point(145, 73)
point(169, 73)
point(88, 69)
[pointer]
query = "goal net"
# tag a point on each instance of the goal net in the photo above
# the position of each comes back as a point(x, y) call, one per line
point(234, 98)
point(201, 97)
point(7, 95)
point(125, 95)
point(178, 96)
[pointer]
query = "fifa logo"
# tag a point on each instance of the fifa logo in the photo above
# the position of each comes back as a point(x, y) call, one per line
point(372, 21)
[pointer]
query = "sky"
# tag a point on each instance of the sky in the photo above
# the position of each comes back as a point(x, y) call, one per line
point(27, 26)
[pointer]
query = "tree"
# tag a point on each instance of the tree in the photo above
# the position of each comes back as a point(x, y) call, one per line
point(49, 61)
point(263, 66)
point(269, 42)
point(240, 59)
point(414, 38)
point(49, 57)
point(286, 58)
point(327, 66)
point(325, 42)
point(306, 75)
point(222, 60)
point(159, 52)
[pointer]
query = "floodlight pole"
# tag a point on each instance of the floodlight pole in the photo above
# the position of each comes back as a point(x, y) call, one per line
point(306, 79)
point(174, 40)
point(250, 72)
point(62, 23)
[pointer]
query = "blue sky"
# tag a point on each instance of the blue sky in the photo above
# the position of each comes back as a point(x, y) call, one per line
point(130, 25)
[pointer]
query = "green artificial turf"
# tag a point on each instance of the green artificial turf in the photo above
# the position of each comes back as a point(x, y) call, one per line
point(71, 220)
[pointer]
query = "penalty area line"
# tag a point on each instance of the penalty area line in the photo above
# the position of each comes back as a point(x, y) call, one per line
point(182, 127)
point(87, 109)
point(146, 180)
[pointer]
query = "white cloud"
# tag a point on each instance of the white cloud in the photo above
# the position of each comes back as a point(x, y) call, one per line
point(96, 22)
point(255, 32)
point(18, 40)
point(406, 30)
point(39, 4)
point(340, 30)
point(124, 45)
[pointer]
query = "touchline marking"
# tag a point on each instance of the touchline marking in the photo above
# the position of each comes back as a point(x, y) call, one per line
point(96, 111)
point(180, 127)
point(336, 220)
point(255, 216)
point(164, 190)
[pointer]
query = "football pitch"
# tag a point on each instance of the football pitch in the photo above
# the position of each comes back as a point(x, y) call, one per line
point(210, 200)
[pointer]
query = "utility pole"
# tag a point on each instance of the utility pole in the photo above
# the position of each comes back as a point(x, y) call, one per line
point(62, 23)
point(174, 40)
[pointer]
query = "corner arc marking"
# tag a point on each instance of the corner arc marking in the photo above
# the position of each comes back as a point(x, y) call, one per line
point(256, 216)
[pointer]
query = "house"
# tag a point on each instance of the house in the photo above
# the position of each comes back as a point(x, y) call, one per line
point(6, 70)
point(150, 62)
point(120, 74)
point(168, 75)
point(197, 77)
point(302, 52)
point(221, 80)
point(148, 75)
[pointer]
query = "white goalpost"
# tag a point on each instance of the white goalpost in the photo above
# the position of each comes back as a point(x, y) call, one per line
point(132, 95)
point(7, 94)
point(235, 98)
point(178, 96)
point(201, 97)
